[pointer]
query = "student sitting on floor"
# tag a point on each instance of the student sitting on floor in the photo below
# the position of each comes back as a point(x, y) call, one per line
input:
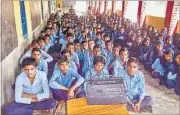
point(88, 59)
point(168, 43)
point(177, 85)
point(135, 49)
point(172, 75)
point(42, 44)
point(160, 66)
point(177, 48)
point(42, 65)
point(44, 55)
point(98, 70)
point(31, 91)
point(114, 55)
point(145, 48)
point(156, 52)
point(121, 63)
point(108, 48)
point(67, 54)
point(65, 83)
point(135, 86)
point(75, 58)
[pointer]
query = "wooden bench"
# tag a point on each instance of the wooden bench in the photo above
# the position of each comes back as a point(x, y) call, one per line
point(80, 107)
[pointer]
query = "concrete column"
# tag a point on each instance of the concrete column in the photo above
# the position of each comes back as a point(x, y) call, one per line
point(174, 17)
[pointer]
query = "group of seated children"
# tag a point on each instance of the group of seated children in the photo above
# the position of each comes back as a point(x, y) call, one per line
point(108, 47)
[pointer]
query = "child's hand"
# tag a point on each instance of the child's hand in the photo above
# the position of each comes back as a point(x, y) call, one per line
point(70, 94)
point(137, 106)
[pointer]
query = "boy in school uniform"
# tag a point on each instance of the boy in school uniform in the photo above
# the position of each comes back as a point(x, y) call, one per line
point(121, 63)
point(135, 49)
point(88, 58)
point(75, 58)
point(69, 38)
point(135, 86)
point(31, 91)
point(172, 75)
point(65, 83)
point(156, 52)
point(168, 43)
point(114, 55)
point(42, 44)
point(42, 65)
point(44, 55)
point(161, 65)
point(67, 54)
point(108, 48)
point(145, 48)
point(98, 70)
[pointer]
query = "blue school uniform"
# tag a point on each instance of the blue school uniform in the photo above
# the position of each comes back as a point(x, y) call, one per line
point(172, 73)
point(176, 51)
point(100, 42)
point(72, 65)
point(105, 52)
point(42, 66)
point(157, 65)
point(144, 50)
point(151, 57)
point(88, 63)
point(75, 58)
point(119, 67)
point(39, 87)
point(44, 56)
point(92, 74)
point(167, 47)
point(58, 79)
point(64, 43)
point(135, 85)
point(109, 58)
point(93, 35)
point(45, 47)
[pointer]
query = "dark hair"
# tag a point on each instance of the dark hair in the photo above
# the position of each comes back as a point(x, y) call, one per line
point(34, 42)
point(47, 35)
point(123, 49)
point(97, 46)
point(83, 42)
point(69, 34)
point(36, 50)
point(40, 38)
point(91, 40)
point(29, 61)
point(116, 45)
point(133, 59)
point(65, 51)
point(98, 59)
point(108, 41)
point(169, 51)
point(62, 60)
point(76, 41)
point(146, 39)
point(70, 44)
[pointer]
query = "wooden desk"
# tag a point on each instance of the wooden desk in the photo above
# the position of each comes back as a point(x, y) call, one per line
point(80, 107)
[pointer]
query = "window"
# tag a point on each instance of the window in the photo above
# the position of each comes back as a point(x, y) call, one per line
point(23, 18)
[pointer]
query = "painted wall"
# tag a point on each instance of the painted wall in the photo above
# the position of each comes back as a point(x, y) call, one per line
point(157, 22)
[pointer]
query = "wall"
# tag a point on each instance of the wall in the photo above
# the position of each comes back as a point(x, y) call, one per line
point(157, 22)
